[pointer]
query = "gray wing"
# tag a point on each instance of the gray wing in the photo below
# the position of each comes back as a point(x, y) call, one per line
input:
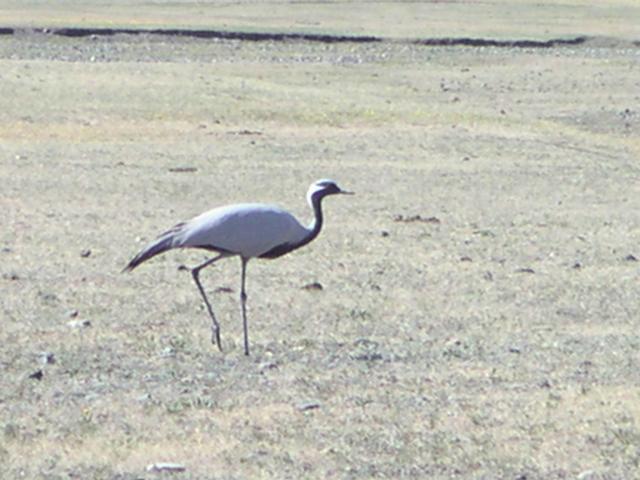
point(249, 230)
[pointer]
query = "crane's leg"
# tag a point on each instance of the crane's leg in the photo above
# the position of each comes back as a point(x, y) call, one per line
point(243, 304)
point(215, 326)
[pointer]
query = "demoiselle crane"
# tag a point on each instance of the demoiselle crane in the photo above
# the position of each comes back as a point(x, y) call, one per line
point(247, 230)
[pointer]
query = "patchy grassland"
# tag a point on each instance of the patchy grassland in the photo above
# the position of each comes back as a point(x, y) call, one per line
point(498, 339)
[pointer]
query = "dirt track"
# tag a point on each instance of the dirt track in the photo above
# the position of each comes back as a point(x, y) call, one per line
point(479, 316)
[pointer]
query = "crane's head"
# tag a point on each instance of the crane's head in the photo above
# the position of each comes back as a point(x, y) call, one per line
point(322, 188)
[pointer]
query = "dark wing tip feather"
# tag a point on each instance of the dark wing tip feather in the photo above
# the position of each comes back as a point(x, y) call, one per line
point(128, 268)
point(135, 261)
point(160, 245)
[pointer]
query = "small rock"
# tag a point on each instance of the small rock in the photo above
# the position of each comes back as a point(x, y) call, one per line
point(166, 467)
point(48, 297)
point(183, 169)
point(514, 350)
point(313, 286)
point(368, 357)
point(47, 358)
point(577, 266)
point(223, 290)
point(13, 276)
point(416, 218)
point(365, 350)
point(487, 276)
point(37, 375)
point(79, 323)
point(484, 233)
point(303, 407)
point(384, 233)
point(525, 270)
point(85, 253)
point(249, 132)
point(465, 259)
point(545, 384)
point(71, 313)
point(267, 366)
point(631, 258)
point(168, 352)
point(586, 475)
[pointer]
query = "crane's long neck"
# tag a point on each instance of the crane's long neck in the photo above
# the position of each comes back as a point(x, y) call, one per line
point(316, 224)
point(313, 229)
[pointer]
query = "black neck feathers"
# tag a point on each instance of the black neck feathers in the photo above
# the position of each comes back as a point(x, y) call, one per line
point(312, 230)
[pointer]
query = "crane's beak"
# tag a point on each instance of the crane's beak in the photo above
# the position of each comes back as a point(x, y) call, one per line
point(344, 192)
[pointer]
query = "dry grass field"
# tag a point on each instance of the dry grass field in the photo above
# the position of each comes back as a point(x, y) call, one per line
point(479, 316)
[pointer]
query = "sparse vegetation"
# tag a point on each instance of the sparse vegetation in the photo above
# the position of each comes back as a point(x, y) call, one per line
point(477, 315)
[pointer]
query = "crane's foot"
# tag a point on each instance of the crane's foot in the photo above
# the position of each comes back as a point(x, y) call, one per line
point(215, 336)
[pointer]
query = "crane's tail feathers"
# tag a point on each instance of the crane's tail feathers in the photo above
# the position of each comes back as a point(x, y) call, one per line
point(163, 243)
